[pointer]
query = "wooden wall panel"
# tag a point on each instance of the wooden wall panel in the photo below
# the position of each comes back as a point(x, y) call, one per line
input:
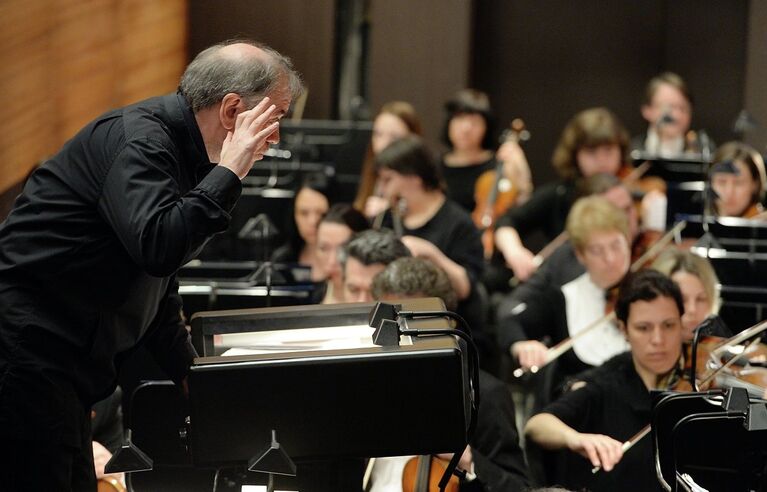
point(66, 61)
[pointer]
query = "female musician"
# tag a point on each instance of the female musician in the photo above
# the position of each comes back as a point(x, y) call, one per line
point(334, 230)
point(468, 132)
point(593, 142)
point(600, 235)
point(698, 283)
point(667, 108)
point(395, 120)
point(738, 179)
point(614, 403)
point(435, 227)
point(311, 203)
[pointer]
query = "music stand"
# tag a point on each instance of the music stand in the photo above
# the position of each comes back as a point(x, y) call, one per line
point(217, 285)
point(713, 436)
point(737, 249)
point(364, 401)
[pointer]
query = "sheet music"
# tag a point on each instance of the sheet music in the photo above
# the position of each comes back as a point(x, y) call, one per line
point(305, 339)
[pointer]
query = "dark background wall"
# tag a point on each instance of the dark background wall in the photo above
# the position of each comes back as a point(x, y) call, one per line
point(539, 60)
point(544, 61)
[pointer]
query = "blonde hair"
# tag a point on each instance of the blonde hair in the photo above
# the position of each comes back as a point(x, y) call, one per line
point(673, 260)
point(591, 214)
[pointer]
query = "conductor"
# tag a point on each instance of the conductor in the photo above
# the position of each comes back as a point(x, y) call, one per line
point(89, 253)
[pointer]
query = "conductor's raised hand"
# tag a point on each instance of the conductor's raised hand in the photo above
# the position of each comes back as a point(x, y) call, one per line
point(252, 133)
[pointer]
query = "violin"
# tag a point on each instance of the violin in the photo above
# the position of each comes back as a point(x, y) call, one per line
point(423, 473)
point(562, 347)
point(711, 368)
point(495, 190)
point(109, 484)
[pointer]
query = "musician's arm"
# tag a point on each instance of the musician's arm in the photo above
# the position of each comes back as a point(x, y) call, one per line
point(499, 462)
point(459, 277)
point(564, 423)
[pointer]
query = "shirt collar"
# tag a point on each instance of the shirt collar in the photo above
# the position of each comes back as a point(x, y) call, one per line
point(190, 138)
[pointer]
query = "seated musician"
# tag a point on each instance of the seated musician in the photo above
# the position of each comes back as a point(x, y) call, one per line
point(469, 134)
point(595, 419)
point(593, 142)
point(434, 227)
point(493, 457)
point(334, 230)
point(563, 266)
point(738, 180)
point(364, 256)
point(599, 232)
point(667, 108)
point(698, 283)
point(395, 119)
point(311, 203)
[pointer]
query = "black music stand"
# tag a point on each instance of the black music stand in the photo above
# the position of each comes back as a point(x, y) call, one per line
point(716, 437)
point(216, 285)
point(737, 249)
point(365, 401)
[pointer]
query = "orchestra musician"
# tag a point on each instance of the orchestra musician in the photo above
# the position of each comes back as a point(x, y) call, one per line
point(89, 253)
point(593, 141)
point(738, 180)
point(493, 458)
point(469, 133)
point(697, 282)
point(667, 108)
point(435, 227)
point(600, 235)
point(611, 403)
point(336, 228)
point(395, 120)
point(363, 257)
point(311, 203)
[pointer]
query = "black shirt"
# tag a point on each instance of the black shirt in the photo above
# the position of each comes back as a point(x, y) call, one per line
point(88, 256)
point(614, 402)
point(546, 211)
point(461, 181)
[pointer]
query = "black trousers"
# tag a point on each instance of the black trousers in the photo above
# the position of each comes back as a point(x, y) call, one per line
point(27, 465)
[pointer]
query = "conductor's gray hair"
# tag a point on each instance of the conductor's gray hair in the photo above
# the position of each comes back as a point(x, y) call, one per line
point(211, 76)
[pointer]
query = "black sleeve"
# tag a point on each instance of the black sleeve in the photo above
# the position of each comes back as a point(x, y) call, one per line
point(142, 201)
point(170, 343)
point(531, 312)
point(107, 423)
point(498, 460)
point(578, 408)
point(532, 214)
point(466, 249)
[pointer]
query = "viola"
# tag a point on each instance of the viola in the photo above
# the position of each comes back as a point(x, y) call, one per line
point(109, 484)
point(423, 473)
point(495, 190)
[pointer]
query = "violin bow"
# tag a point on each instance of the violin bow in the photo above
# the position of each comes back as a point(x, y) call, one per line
point(744, 335)
point(557, 350)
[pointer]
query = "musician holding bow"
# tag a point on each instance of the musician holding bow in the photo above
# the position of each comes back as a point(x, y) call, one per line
point(614, 403)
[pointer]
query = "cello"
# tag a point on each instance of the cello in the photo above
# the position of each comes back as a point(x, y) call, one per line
point(497, 190)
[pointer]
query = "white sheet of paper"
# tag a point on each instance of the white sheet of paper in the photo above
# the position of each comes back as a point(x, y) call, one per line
point(305, 339)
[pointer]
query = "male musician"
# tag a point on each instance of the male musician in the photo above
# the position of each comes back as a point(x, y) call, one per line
point(600, 234)
point(493, 457)
point(614, 404)
point(89, 253)
point(364, 256)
